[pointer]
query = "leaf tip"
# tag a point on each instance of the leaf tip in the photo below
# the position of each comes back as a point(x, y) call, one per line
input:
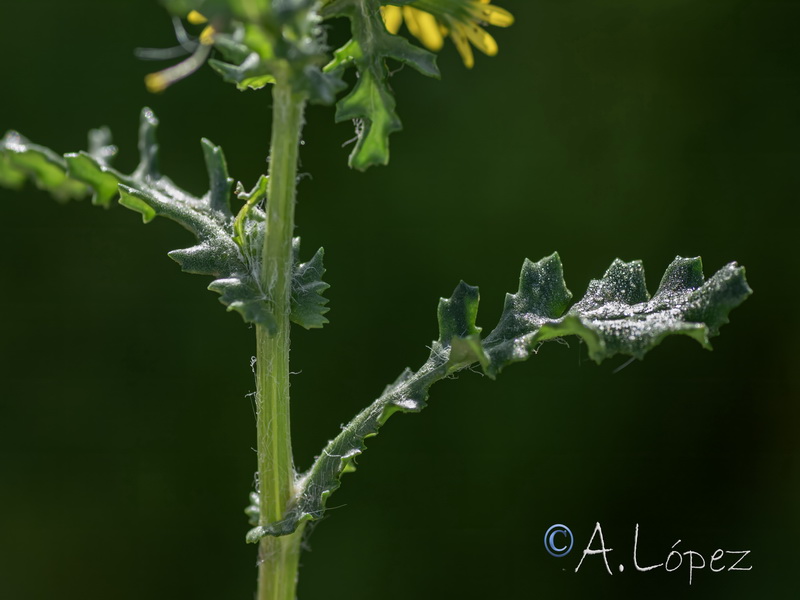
point(148, 117)
point(130, 199)
point(457, 314)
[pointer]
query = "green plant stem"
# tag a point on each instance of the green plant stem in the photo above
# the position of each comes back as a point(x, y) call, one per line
point(278, 556)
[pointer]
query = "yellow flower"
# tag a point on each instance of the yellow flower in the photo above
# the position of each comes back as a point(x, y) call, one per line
point(431, 21)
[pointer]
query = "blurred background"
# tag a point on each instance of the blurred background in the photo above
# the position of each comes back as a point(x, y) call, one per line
point(638, 130)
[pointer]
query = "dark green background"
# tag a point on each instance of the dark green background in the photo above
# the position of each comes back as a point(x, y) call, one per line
point(603, 129)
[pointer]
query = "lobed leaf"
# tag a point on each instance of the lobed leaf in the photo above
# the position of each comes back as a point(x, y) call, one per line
point(308, 303)
point(22, 160)
point(615, 316)
point(228, 246)
point(371, 102)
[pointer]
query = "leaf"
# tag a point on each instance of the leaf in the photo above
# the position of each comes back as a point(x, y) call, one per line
point(251, 73)
point(273, 41)
point(371, 102)
point(616, 316)
point(23, 160)
point(228, 248)
point(308, 303)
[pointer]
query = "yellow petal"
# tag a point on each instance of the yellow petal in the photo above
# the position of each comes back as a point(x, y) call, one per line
point(480, 39)
point(462, 45)
point(427, 29)
point(392, 18)
point(493, 15)
point(410, 18)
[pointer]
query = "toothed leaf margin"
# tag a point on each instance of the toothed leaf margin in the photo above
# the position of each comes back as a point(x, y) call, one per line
point(615, 316)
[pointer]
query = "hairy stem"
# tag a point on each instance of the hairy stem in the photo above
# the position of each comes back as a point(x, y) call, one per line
point(278, 556)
